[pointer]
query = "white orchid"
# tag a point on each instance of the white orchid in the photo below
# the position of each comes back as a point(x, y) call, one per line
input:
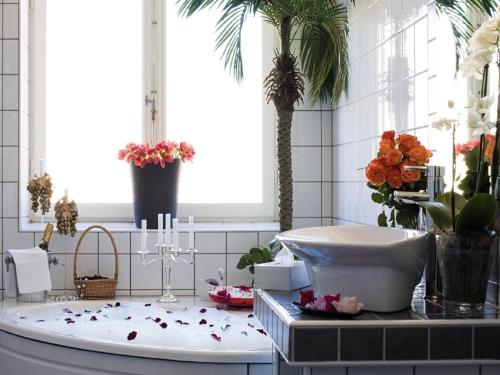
point(486, 37)
point(473, 64)
point(481, 105)
point(478, 124)
point(444, 123)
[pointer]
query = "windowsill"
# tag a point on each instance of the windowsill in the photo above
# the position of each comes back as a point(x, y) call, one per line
point(183, 227)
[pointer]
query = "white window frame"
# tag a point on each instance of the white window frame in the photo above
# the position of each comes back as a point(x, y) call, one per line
point(153, 79)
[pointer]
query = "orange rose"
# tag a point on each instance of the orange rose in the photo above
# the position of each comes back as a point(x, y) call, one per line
point(409, 176)
point(406, 142)
point(419, 154)
point(490, 144)
point(386, 145)
point(389, 135)
point(393, 177)
point(375, 172)
point(393, 157)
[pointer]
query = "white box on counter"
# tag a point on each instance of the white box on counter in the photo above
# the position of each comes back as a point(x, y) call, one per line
point(273, 276)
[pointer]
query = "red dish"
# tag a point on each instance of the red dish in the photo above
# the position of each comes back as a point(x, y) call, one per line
point(237, 301)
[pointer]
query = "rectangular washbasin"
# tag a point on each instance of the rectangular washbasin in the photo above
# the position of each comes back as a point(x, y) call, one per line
point(381, 266)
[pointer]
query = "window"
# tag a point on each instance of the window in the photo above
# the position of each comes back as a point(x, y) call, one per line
point(93, 64)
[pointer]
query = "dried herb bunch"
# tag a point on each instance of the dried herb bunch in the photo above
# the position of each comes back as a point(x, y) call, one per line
point(66, 213)
point(40, 189)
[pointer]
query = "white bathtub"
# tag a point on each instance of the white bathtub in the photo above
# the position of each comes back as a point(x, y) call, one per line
point(37, 339)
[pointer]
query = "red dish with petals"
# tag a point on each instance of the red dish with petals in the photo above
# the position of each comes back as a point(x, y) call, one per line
point(234, 296)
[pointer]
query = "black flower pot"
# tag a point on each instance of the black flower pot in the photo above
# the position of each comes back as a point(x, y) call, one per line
point(155, 192)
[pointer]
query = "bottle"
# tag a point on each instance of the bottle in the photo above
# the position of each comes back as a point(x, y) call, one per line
point(44, 243)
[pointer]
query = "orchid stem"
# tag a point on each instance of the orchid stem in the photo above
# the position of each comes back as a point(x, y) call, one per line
point(453, 171)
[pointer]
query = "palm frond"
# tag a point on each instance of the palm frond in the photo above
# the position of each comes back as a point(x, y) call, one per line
point(457, 11)
point(324, 50)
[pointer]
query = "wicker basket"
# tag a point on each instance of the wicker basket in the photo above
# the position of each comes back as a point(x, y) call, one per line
point(95, 289)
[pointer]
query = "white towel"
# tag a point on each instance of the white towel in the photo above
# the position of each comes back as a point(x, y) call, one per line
point(32, 270)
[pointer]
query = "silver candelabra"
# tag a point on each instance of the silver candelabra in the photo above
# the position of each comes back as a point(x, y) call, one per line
point(168, 254)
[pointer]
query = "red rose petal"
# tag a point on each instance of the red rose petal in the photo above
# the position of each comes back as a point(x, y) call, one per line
point(67, 311)
point(251, 315)
point(132, 335)
point(93, 318)
point(226, 327)
point(40, 320)
point(87, 311)
point(211, 325)
point(203, 321)
point(262, 331)
point(217, 338)
point(163, 325)
point(78, 315)
point(306, 296)
point(157, 320)
point(185, 323)
point(203, 311)
point(251, 325)
point(117, 304)
point(147, 304)
point(70, 322)
point(128, 318)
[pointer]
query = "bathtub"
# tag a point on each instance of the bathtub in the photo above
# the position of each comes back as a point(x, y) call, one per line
point(97, 337)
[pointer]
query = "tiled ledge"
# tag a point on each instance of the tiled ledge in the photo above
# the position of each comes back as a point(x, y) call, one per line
point(183, 227)
point(423, 334)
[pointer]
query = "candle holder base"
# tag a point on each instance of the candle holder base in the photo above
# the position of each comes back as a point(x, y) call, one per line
point(167, 298)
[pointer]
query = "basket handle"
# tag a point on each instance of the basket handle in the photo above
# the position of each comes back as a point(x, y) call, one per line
point(80, 241)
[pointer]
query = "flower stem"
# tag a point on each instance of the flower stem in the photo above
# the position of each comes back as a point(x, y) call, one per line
point(494, 158)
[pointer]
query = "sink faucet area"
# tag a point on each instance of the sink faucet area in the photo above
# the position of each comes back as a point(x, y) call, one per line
point(381, 266)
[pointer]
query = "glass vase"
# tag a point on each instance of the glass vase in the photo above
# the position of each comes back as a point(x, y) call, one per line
point(465, 263)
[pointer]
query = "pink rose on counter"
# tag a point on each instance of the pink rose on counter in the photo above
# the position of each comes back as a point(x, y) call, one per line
point(348, 305)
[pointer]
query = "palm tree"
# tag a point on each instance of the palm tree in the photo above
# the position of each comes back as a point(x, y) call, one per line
point(321, 26)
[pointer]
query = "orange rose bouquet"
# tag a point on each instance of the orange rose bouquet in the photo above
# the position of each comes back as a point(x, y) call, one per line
point(386, 174)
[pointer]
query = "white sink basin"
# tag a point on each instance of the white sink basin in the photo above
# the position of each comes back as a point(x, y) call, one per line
point(381, 266)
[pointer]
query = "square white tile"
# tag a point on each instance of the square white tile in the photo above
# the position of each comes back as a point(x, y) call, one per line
point(10, 57)
point(65, 243)
point(10, 21)
point(122, 241)
point(145, 277)
point(306, 128)
point(241, 242)
point(13, 239)
point(306, 222)
point(306, 163)
point(266, 237)
point(182, 275)
point(307, 199)
point(10, 92)
point(210, 242)
point(10, 131)
point(10, 164)
point(10, 199)
point(326, 164)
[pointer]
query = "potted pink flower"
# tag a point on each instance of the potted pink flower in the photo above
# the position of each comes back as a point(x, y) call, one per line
point(155, 177)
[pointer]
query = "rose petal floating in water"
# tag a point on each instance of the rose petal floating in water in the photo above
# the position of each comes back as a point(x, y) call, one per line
point(132, 335)
point(128, 318)
point(244, 333)
point(226, 327)
point(157, 320)
point(251, 315)
point(169, 312)
point(251, 325)
point(148, 317)
point(185, 323)
point(40, 320)
point(78, 315)
point(261, 330)
point(98, 311)
point(218, 338)
point(211, 325)
point(109, 305)
point(203, 311)
point(163, 325)
point(87, 311)
point(70, 321)
point(67, 311)
point(93, 318)
point(147, 304)
point(118, 304)
point(203, 321)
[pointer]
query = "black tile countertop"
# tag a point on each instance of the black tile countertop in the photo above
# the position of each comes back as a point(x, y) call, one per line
point(425, 333)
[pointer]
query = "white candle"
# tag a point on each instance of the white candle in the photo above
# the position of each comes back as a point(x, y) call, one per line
point(66, 193)
point(42, 167)
point(191, 233)
point(144, 225)
point(167, 230)
point(160, 229)
point(175, 227)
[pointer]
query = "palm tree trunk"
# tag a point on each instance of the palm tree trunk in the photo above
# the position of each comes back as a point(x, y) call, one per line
point(285, 179)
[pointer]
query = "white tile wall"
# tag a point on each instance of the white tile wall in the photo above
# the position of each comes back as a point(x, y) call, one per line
point(393, 85)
